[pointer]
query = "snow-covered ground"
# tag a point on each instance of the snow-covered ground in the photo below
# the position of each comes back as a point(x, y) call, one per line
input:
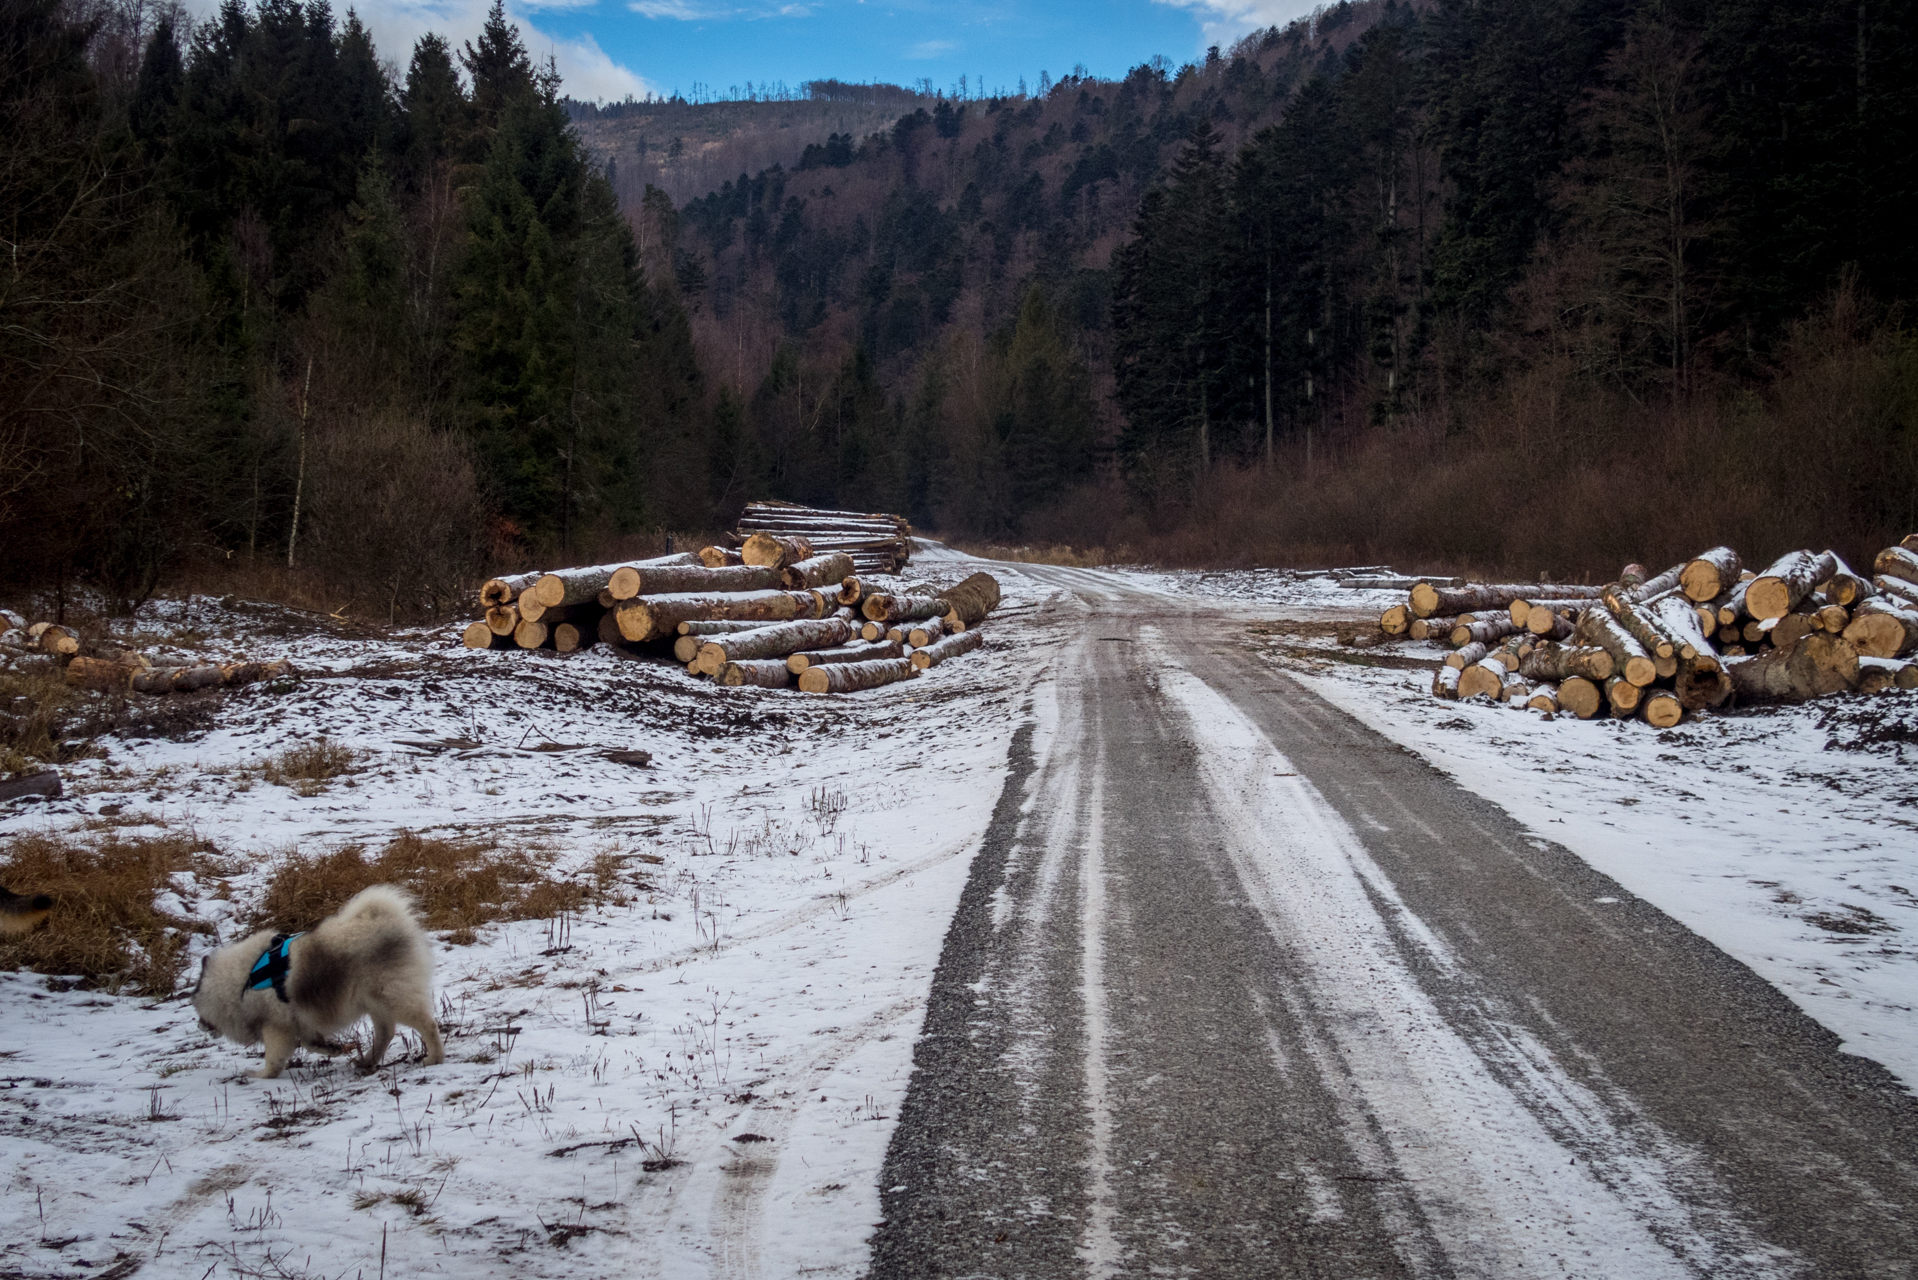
point(701, 1081)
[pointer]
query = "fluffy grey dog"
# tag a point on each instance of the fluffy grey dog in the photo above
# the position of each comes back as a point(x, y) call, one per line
point(370, 960)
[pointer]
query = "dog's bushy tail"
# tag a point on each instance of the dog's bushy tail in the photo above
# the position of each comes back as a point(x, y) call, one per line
point(381, 901)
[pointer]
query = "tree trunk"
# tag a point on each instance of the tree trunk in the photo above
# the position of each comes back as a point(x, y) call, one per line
point(764, 673)
point(97, 673)
point(827, 570)
point(632, 581)
point(532, 635)
point(1544, 698)
point(1482, 597)
point(1469, 655)
point(1660, 709)
point(715, 626)
point(1897, 562)
point(775, 641)
point(1848, 589)
point(775, 552)
point(1486, 630)
point(800, 661)
point(1793, 576)
point(1792, 628)
point(1680, 621)
point(1879, 629)
point(1639, 626)
point(506, 590)
point(950, 647)
point(880, 607)
point(1557, 663)
point(608, 628)
point(1483, 677)
point(1701, 683)
point(1445, 683)
point(1710, 575)
point(1834, 618)
point(1396, 621)
point(480, 636)
point(656, 617)
point(850, 677)
point(851, 591)
point(45, 784)
point(1817, 665)
point(1597, 626)
point(720, 557)
point(1622, 696)
point(1581, 697)
point(971, 601)
point(921, 634)
point(1438, 630)
point(502, 619)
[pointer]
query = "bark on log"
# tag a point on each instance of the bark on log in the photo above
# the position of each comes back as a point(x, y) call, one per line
point(1815, 666)
point(1622, 696)
point(970, 601)
point(850, 677)
point(502, 619)
point(1848, 589)
point(1445, 683)
point(1897, 562)
point(1792, 628)
point(1515, 689)
point(1880, 629)
point(1660, 709)
point(1710, 575)
point(1654, 587)
point(881, 607)
point(950, 647)
point(45, 784)
point(921, 634)
point(1396, 621)
point(774, 551)
point(577, 586)
point(1555, 663)
point(506, 590)
point(715, 626)
point(821, 571)
point(1471, 654)
point(58, 640)
point(188, 679)
point(763, 673)
point(798, 662)
point(1427, 599)
point(608, 628)
point(1909, 542)
point(777, 641)
point(630, 582)
point(1598, 626)
point(656, 617)
point(1544, 698)
point(1640, 627)
point(1484, 678)
point(719, 557)
point(1777, 591)
point(1681, 622)
point(97, 673)
point(1876, 675)
point(1438, 630)
point(1487, 630)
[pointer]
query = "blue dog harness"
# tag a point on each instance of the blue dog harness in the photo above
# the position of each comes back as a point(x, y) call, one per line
point(271, 968)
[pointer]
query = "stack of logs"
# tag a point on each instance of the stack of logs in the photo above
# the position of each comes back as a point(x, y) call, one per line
point(25, 646)
point(1698, 635)
point(777, 612)
point(877, 543)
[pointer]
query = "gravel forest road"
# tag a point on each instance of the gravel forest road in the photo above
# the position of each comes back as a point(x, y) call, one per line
point(1239, 988)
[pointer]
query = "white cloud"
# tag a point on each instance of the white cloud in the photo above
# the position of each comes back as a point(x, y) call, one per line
point(1222, 22)
point(677, 9)
point(591, 75)
point(931, 49)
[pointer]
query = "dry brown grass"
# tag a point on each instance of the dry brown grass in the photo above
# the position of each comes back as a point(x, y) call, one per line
point(105, 927)
point(1056, 553)
point(308, 767)
point(459, 884)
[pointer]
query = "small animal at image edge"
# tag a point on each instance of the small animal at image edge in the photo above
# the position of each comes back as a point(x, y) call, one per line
point(20, 912)
point(369, 960)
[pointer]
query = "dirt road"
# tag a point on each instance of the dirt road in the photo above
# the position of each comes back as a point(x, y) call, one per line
point(1238, 988)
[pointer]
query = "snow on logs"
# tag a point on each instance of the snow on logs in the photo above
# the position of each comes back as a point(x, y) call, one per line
point(1660, 647)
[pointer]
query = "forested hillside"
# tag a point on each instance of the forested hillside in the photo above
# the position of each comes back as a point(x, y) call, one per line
point(1533, 285)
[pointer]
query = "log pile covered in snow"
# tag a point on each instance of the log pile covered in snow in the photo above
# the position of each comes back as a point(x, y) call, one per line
point(779, 612)
point(877, 543)
point(1701, 634)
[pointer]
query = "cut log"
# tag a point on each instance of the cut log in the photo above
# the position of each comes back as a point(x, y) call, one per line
point(1622, 696)
point(1710, 575)
point(533, 635)
point(1755, 632)
point(530, 607)
point(970, 601)
point(1901, 593)
point(608, 628)
point(1395, 621)
point(1886, 673)
point(1909, 542)
point(777, 641)
point(1470, 655)
point(632, 581)
point(822, 602)
point(921, 634)
point(1520, 612)
point(1544, 698)
point(60, 641)
point(851, 591)
point(715, 626)
point(1700, 683)
point(1482, 679)
point(189, 679)
point(1445, 683)
point(774, 551)
point(1580, 697)
point(571, 637)
point(1793, 627)
point(607, 600)
point(1641, 627)
point(97, 673)
point(1660, 709)
point(1834, 618)
point(1682, 623)
point(719, 557)
point(686, 649)
point(950, 647)
point(1847, 589)
point(1437, 630)
point(1428, 600)
point(821, 571)
point(506, 590)
point(763, 673)
point(1879, 629)
point(881, 607)
point(656, 617)
point(798, 662)
point(1515, 689)
point(850, 677)
point(1545, 620)
point(578, 586)
point(1554, 663)
point(1487, 631)
point(45, 784)
point(480, 636)
point(502, 619)
point(1598, 626)
point(1658, 585)
point(1897, 562)
point(1777, 591)
point(1817, 665)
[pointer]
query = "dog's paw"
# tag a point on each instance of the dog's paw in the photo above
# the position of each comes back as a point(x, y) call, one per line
point(328, 1049)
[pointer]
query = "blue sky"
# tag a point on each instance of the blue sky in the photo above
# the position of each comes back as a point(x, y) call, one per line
point(607, 49)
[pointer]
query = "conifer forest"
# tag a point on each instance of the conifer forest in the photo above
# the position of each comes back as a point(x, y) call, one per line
point(1516, 285)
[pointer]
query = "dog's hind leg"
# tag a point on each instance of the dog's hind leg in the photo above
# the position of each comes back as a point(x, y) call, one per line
point(382, 1037)
point(280, 1044)
point(421, 1020)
